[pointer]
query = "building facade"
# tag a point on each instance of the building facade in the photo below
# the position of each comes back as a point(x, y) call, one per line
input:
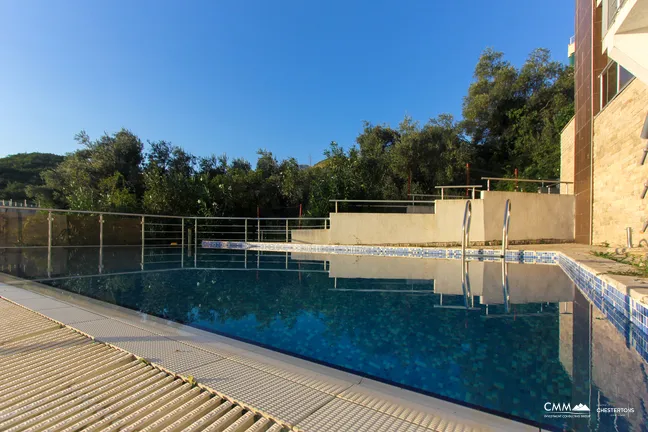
point(602, 147)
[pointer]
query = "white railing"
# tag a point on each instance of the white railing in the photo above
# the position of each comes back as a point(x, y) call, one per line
point(543, 182)
point(400, 204)
point(467, 187)
point(18, 203)
point(58, 228)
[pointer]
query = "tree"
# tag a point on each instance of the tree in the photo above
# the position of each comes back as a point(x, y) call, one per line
point(104, 175)
point(20, 173)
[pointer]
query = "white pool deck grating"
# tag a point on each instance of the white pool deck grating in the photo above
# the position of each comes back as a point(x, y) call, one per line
point(254, 389)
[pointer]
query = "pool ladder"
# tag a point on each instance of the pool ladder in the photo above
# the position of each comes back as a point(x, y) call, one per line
point(505, 227)
point(465, 228)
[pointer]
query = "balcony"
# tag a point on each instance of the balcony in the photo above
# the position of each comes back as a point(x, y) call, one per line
point(625, 34)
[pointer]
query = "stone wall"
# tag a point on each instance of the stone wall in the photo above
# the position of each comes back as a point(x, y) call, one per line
point(618, 177)
point(567, 157)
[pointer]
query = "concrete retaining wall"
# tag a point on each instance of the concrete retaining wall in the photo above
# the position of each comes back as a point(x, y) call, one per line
point(311, 236)
point(533, 217)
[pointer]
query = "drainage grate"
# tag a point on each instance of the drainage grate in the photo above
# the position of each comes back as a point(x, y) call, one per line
point(53, 378)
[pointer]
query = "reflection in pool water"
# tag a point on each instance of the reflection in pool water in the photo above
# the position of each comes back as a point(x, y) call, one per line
point(412, 322)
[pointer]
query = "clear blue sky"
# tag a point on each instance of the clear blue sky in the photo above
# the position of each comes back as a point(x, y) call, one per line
point(234, 76)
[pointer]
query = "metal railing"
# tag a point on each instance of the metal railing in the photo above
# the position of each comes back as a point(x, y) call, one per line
point(505, 227)
point(505, 286)
point(22, 227)
point(471, 187)
point(18, 203)
point(401, 204)
point(543, 182)
point(465, 227)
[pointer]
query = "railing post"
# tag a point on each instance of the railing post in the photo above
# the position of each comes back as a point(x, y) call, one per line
point(49, 244)
point(143, 234)
point(196, 242)
point(442, 189)
point(336, 206)
point(101, 223)
point(246, 231)
point(465, 227)
point(182, 244)
point(473, 193)
point(258, 229)
point(505, 227)
point(488, 184)
point(287, 230)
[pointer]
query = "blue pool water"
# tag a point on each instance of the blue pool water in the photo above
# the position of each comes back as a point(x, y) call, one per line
point(409, 322)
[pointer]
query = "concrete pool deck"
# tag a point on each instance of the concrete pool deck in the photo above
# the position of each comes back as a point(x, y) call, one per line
point(297, 394)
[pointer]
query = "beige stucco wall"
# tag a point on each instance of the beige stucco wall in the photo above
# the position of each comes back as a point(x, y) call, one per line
point(533, 217)
point(567, 157)
point(618, 177)
point(311, 236)
point(527, 283)
point(381, 228)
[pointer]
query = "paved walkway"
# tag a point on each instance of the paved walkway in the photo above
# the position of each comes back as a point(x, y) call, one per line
point(247, 388)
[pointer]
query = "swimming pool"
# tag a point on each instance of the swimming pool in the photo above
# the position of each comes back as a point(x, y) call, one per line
point(436, 326)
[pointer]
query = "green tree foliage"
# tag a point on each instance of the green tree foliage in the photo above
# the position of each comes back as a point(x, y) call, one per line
point(512, 118)
point(23, 170)
point(103, 175)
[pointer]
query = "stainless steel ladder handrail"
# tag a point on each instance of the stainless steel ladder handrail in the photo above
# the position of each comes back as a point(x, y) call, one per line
point(505, 285)
point(469, 301)
point(465, 227)
point(505, 226)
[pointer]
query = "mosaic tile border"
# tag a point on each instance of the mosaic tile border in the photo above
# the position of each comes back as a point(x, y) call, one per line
point(629, 316)
point(539, 257)
point(626, 314)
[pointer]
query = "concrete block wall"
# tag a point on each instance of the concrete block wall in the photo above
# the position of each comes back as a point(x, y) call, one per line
point(617, 175)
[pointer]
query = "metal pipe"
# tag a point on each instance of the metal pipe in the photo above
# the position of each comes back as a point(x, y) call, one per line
point(442, 193)
point(336, 206)
point(286, 230)
point(101, 222)
point(246, 231)
point(465, 283)
point(643, 157)
point(629, 237)
point(258, 229)
point(488, 184)
point(93, 212)
point(505, 227)
point(182, 242)
point(644, 130)
point(505, 286)
point(643, 194)
point(195, 242)
point(465, 227)
point(49, 243)
point(143, 231)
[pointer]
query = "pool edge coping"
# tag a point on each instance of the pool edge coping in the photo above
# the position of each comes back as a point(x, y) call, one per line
point(392, 393)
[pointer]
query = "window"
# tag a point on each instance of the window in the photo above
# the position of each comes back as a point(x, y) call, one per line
point(613, 79)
